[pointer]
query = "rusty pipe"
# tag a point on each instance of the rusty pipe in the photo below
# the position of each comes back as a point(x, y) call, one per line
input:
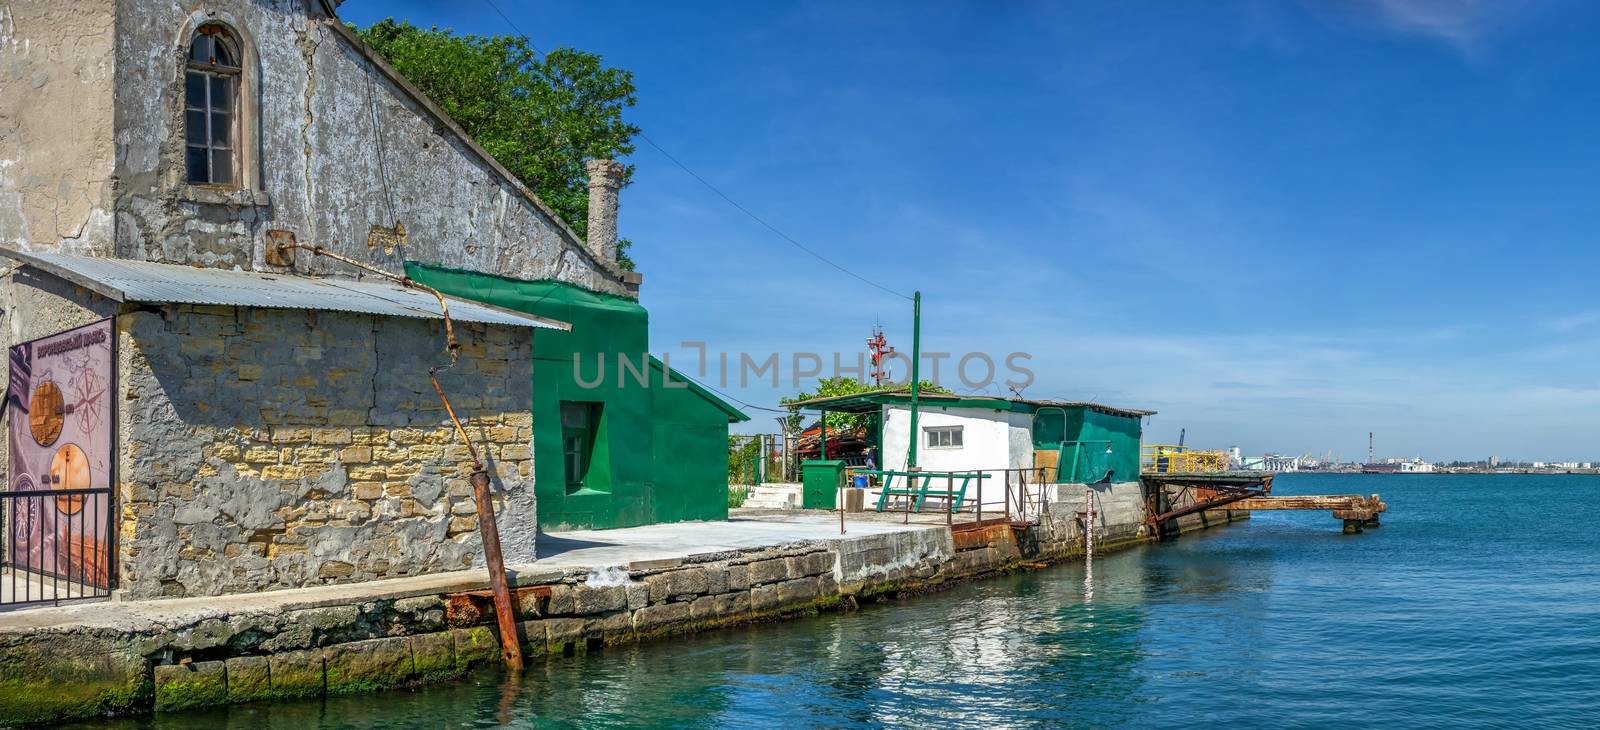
point(510, 649)
point(433, 377)
point(451, 345)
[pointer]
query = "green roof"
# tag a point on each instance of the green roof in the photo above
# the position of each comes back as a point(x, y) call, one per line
point(734, 414)
point(871, 401)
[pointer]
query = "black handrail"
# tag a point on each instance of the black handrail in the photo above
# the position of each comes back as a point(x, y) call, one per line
point(74, 554)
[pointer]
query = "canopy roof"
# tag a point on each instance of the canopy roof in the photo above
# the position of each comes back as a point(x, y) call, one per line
point(127, 280)
point(868, 402)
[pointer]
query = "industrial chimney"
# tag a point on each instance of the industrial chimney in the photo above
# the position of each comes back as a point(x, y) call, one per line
point(605, 179)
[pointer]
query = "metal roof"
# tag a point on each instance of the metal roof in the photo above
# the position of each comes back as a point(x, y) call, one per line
point(856, 402)
point(126, 280)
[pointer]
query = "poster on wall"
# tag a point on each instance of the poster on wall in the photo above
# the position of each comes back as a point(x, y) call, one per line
point(58, 410)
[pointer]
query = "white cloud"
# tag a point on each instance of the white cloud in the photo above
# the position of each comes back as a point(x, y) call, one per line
point(1574, 321)
point(1465, 25)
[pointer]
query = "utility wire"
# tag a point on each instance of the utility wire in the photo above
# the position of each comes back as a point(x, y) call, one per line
point(715, 189)
point(784, 411)
point(763, 222)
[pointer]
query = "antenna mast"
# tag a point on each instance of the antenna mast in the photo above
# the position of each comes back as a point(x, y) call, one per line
point(879, 350)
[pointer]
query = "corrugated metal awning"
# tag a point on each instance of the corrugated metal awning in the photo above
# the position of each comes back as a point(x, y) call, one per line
point(125, 280)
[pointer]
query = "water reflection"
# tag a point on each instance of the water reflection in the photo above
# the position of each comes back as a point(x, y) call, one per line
point(1040, 649)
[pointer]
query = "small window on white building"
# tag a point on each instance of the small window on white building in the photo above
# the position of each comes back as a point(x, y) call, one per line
point(942, 437)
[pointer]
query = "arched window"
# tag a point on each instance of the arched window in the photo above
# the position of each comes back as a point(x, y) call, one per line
point(211, 108)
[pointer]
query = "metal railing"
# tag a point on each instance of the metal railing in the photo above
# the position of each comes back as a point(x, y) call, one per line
point(1024, 492)
point(1170, 459)
point(57, 545)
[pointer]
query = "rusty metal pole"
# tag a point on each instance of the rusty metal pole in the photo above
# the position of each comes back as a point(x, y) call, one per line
point(911, 488)
point(949, 492)
point(510, 648)
point(979, 513)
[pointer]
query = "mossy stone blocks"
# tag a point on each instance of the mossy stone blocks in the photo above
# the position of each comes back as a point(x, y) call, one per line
point(368, 666)
point(249, 679)
point(296, 673)
point(186, 686)
point(475, 645)
point(433, 656)
point(52, 678)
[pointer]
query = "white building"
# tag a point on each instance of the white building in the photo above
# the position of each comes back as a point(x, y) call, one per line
point(1276, 463)
point(1075, 442)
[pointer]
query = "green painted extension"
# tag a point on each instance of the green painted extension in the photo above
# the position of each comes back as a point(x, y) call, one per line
point(619, 438)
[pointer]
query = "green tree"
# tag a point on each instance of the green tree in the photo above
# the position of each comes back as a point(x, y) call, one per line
point(541, 117)
point(842, 385)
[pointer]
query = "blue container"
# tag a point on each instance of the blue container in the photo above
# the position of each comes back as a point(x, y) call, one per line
point(860, 481)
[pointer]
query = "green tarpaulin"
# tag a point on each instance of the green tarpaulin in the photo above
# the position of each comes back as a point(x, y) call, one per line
point(619, 439)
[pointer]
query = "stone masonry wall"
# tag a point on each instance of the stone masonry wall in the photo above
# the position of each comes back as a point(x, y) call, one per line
point(265, 448)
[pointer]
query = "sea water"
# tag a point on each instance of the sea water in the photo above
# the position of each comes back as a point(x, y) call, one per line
point(1476, 604)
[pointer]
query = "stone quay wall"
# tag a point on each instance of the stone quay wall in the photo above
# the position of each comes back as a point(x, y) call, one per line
point(274, 448)
point(306, 645)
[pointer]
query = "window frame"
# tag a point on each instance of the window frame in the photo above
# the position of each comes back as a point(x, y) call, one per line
point(953, 437)
point(233, 78)
point(585, 434)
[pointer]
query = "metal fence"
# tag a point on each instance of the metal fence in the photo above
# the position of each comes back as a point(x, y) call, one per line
point(766, 457)
point(57, 545)
point(1009, 495)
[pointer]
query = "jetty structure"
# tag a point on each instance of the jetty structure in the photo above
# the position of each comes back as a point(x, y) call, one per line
point(291, 406)
point(1032, 453)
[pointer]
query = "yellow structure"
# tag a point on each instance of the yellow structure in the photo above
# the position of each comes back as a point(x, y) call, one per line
point(1170, 459)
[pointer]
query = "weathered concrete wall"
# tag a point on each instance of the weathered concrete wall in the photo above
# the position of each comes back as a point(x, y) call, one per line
point(339, 148)
point(56, 133)
point(269, 449)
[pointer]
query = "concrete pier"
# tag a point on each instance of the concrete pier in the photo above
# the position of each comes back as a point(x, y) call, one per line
point(589, 588)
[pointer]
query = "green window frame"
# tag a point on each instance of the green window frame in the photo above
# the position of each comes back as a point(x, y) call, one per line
point(579, 420)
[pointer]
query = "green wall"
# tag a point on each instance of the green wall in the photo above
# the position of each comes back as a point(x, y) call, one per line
point(1054, 427)
point(659, 453)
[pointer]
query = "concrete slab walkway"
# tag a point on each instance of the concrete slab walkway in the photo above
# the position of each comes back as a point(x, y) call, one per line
point(560, 553)
point(597, 548)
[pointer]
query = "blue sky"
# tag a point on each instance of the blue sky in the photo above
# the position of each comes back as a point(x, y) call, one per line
point(1280, 224)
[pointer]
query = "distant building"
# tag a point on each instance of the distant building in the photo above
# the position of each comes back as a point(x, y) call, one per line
point(1276, 463)
point(1398, 466)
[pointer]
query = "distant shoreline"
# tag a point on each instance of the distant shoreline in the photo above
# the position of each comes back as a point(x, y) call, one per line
point(1444, 471)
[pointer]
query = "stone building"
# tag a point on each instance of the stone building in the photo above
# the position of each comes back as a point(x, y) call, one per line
point(273, 421)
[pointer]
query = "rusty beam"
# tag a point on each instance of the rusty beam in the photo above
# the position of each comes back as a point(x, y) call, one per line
point(1351, 502)
point(1200, 507)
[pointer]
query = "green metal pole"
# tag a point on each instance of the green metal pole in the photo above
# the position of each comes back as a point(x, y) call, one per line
point(823, 442)
point(916, 378)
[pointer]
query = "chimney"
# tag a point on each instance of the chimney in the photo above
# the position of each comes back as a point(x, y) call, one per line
point(605, 179)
